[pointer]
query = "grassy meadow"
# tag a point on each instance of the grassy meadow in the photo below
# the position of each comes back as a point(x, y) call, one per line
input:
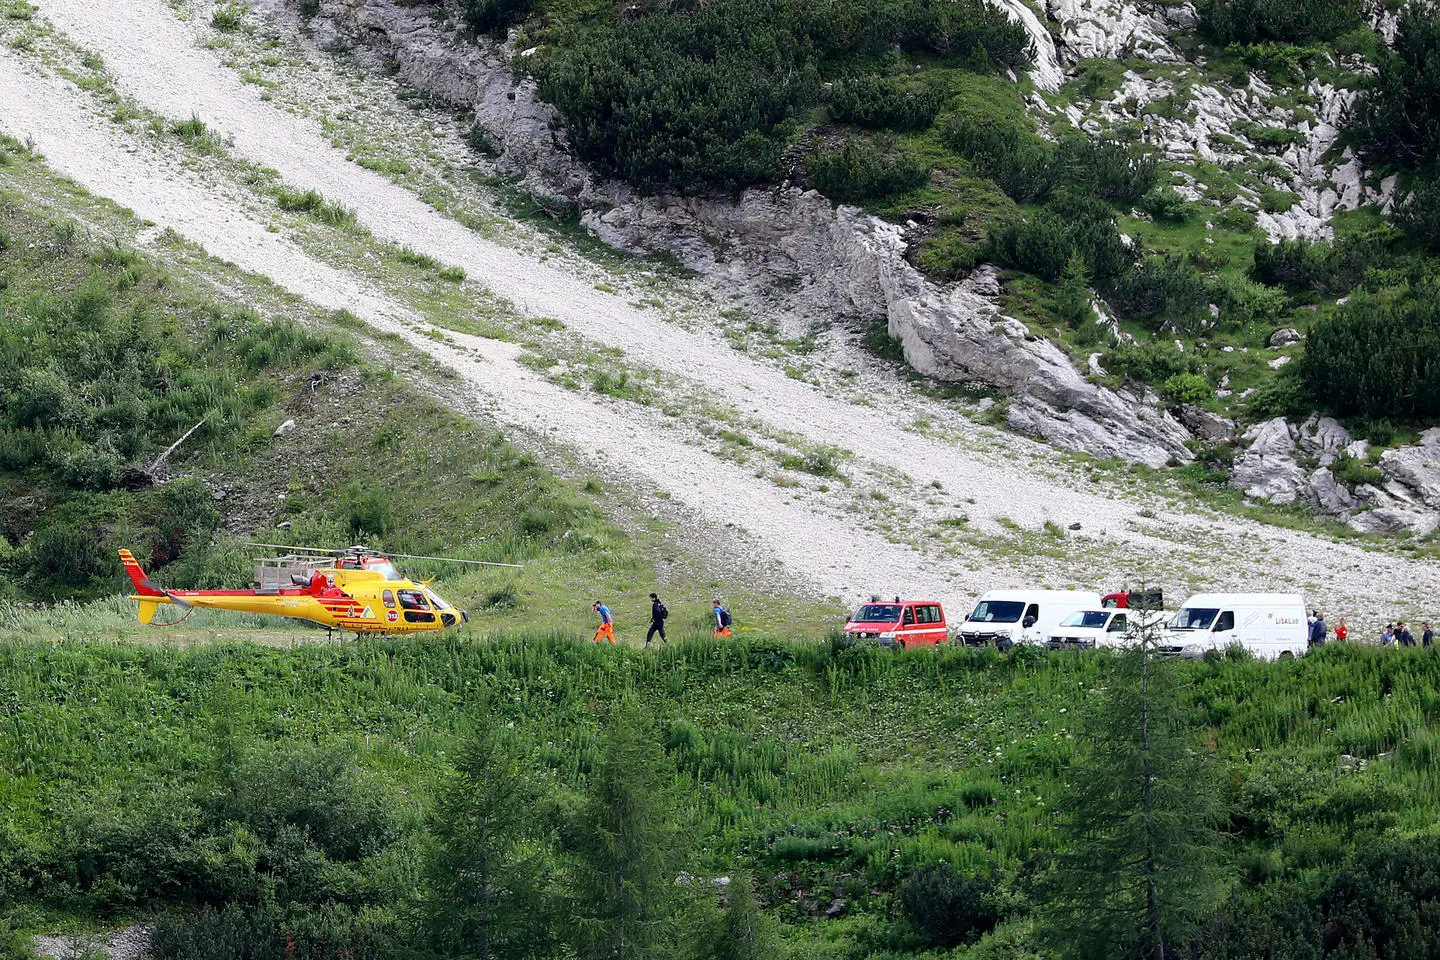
point(826, 771)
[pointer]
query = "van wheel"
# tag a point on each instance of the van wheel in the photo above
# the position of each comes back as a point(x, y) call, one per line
point(1287, 655)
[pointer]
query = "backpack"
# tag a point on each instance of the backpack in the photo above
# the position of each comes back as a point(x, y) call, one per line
point(664, 612)
point(724, 617)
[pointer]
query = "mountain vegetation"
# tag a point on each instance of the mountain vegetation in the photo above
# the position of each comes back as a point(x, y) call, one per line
point(257, 802)
point(913, 110)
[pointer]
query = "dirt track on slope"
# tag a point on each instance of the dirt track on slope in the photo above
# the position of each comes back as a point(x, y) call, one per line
point(155, 59)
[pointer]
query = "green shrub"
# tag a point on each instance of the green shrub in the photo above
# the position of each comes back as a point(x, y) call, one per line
point(1277, 201)
point(1282, 21)
point(367, 510)
point(1117, 172)
point(946, 908)
point(1186, 388)
point(1330, 269)
point(494, 16)
point(858, 171)
point(1237, 219)
point(1396, 120)
point(1354, 472)
point(1152, 361)
point(1166, 203)
point(701, 97)
point(228, 17)
point(1378, 356)
point(1160, 288)
point(877, 103)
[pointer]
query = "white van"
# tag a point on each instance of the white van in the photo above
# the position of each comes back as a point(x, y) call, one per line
point(1007, 617)
point(1269, 625)
point(1108, 627)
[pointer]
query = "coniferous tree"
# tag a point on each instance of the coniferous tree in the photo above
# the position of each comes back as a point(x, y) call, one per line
point(743, 932)
point(1139, 871)
point(484, 895)
point(626, 849)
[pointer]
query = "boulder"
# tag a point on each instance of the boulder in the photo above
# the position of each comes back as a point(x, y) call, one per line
point(1323, 438)
point(1329, 494)
point(284, 428)
point(1284, 337)
point(1267, 469)
point(1204, 424)
point(1417, 468)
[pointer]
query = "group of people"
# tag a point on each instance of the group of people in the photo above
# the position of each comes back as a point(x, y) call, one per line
point(1396, 634)
point(659, 613)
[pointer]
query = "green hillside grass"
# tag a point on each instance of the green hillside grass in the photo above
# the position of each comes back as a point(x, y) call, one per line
point(826, 771)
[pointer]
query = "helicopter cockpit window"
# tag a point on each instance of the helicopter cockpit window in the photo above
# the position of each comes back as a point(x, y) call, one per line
point(386, 570)
point(437, 601)
point(413, 600)
point(388, 597)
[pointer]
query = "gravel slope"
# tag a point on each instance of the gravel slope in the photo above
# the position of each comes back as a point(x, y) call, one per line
point(155, 58)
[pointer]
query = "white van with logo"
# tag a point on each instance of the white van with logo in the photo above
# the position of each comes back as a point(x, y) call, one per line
point(1008, 617)
point(1269, 625)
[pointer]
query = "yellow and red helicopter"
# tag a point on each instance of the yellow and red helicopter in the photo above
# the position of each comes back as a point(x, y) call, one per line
point(355, 589)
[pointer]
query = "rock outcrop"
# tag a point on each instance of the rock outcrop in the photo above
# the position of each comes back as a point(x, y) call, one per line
point(1273, 468)
point(838, 261)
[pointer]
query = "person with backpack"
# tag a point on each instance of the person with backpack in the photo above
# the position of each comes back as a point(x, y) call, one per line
point(607, 623)
point(1426, 635)
point(1318, 630)
point(722, 620)
point(659, 613)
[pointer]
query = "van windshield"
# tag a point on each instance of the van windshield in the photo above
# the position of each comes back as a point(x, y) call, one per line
point(998, 611)
point(877, 613)
point(1194, 618)
point(1086, 618)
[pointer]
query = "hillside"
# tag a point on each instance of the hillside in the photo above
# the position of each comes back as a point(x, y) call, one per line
point(786, 303)
point(599, 358)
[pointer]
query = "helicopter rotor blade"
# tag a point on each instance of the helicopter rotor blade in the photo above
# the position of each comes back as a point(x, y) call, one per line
point(347, 551)
point(325, 551)
point(480, 563)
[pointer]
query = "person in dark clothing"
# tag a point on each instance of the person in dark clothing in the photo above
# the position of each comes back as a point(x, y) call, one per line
point(658, 614)
point(1403, 635)
point(1426, 635)
point(1318, 630)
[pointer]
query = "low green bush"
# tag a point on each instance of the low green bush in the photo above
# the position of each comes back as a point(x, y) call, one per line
point(948, 909)
point(1378, 356)
point(1280, 21)
point(859, 171)
point(878, 103)
point(1166, 203)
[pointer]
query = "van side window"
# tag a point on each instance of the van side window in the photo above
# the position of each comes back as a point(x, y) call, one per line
point(909, 616)
point(1226, 621)
point(1032, 615)
point(1117, 624)
point(929, 614)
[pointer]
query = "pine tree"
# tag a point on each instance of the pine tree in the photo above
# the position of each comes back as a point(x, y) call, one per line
point(625, 898)
point(483, 893)
point(743, 932)
point(1139, 870)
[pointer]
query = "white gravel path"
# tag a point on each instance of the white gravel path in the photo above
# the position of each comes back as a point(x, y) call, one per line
point(155, 59)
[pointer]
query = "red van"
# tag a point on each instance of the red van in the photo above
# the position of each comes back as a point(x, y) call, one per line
point(905, 623)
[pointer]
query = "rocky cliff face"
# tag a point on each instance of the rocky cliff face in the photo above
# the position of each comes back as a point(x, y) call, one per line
point(838, 261)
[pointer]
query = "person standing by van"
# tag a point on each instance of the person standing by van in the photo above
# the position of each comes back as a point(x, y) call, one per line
point(1403, 634)
point(1318, 630)
point(1387, 639)
point(1342, 631)
point(606, 630)
point(1426, 635)
point(659, 613)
